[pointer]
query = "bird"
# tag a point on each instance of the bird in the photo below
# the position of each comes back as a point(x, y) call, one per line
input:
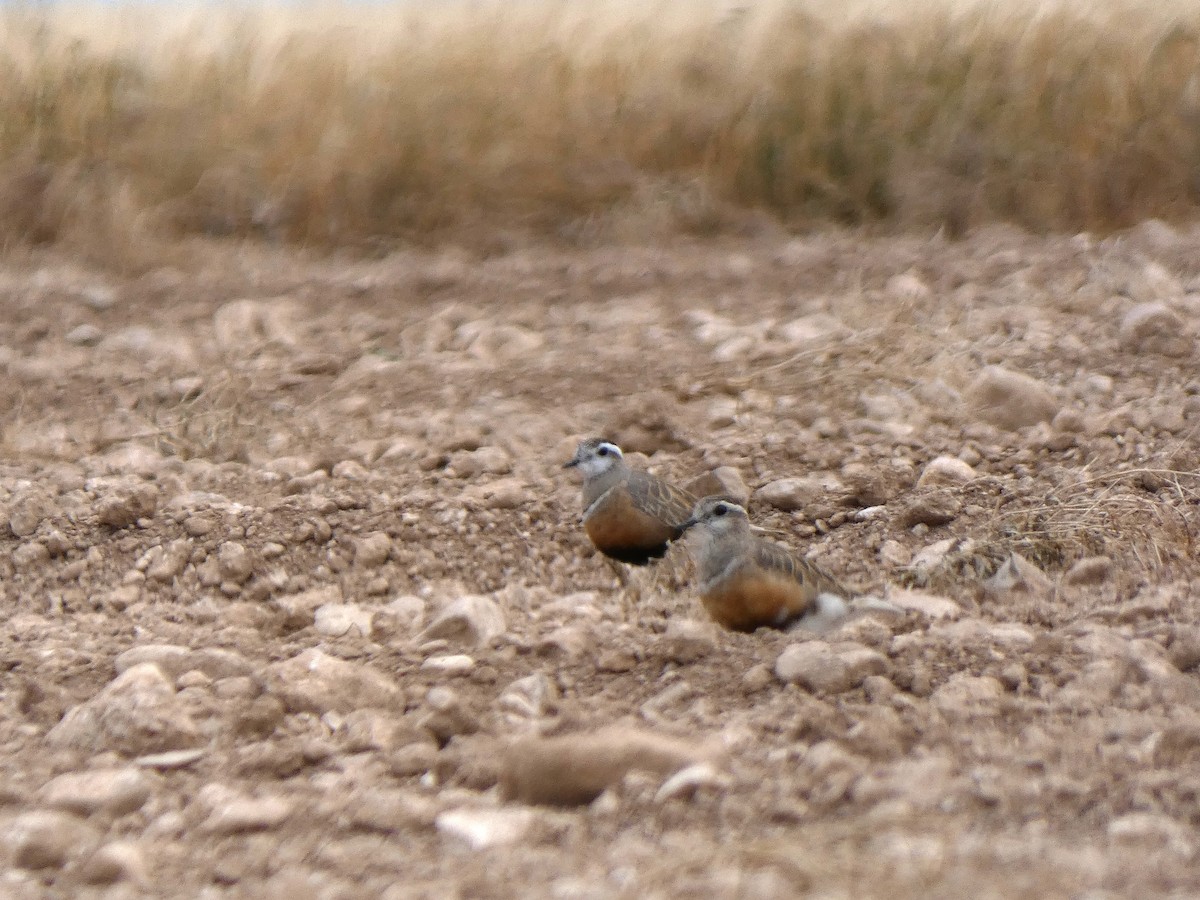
point(746, 582)
point(629, 515)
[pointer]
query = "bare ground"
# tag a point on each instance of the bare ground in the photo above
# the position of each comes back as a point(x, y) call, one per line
point(212, 473)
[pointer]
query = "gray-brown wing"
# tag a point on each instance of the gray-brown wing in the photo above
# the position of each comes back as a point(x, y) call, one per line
point(776, 558)
point(665, 502)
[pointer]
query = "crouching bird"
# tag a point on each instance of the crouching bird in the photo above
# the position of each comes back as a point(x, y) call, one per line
point(629, 515)
point(746, 582)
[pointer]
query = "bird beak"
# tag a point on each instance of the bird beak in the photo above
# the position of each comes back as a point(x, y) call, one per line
point(570, 464)
point(688, 524)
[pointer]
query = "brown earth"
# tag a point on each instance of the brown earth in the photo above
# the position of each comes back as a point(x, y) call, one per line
point(208, 475)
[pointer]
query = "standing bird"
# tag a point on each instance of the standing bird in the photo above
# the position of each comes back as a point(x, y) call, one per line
point(629, 515)
point(747, 582)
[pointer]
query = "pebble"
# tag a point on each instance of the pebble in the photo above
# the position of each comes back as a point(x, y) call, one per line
point(136, 713)
point(450, 664)
point(818, 667)
point(1152, 830)
point(115, 792)
point(1018, 575)
point(483, 828)
point(892, 553)
point(528, 698)
point(84, 335)
point(300, 609)
point(945, 471)
point(114, 862)
point(234, 562)
point(790, 494)
point(686, 782)
point(1089, 571)
point(574, 769)
point(1010, 400)
point(27, 510)
point(930, 508)
point(484, 461)
point(233, 813)
point(723, 480)
point(45, 839)
point(171, 759)
point(687, 640)
point(343, 620)
point(501, 493)
point(929, 605)
point(123, 504)
point(316, 682)
point(1155, 328)
point(868, 486)
point(372, 550)
point(29, 555)
point(473, 619)
point(757, 678)
point(173, 660)
point(241, 326)
point(966, 696)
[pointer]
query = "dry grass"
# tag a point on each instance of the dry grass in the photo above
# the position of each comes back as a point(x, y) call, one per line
point(123, 127)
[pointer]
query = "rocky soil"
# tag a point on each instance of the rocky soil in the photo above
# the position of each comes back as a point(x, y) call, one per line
point(294, 601)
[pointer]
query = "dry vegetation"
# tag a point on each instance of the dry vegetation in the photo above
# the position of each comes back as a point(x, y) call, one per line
point(124, 126)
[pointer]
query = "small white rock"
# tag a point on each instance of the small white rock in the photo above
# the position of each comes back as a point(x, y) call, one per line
point(450, 664)
point(343, 620)
point(945, 471)
point(483, 828)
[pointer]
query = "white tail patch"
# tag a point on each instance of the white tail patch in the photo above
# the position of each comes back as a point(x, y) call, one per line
point(831, 610)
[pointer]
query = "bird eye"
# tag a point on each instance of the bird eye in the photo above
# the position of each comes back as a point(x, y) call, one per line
point(603, 451)
point(720, 509)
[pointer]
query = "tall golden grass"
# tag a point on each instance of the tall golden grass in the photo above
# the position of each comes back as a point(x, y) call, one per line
point(361, 124)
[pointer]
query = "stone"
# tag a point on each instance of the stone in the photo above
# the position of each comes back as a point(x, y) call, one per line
point(372, 550)
point(966, 696)
point(29, 555)
point(234, 562)
point(45, 839)
point(343, 620)
point(929, 507)
point(484, 828)
point(115, 792)
point(233, 813)
point(791, 494)
point(1010, 400)
point(115, 862)
point(173, 660)
point(122, 504)
point(300, 609)
point(819, 667)
point(687, 782)
point(945, 471)
point(166, 562)
point(687, 640)
point(723, 480)
point(84, 335)
point(316, 682)
point(136, 713)
point(931, 606)
point(574, 769)
point(1089, 571)
point(453, 664)
point(1151, 830)
point(472, 619)
point(1155, 328)
point(484, 461)
point(27, 510)
point(1018, 575)
point(528, 698)
point(242, 326)
point(892, 553)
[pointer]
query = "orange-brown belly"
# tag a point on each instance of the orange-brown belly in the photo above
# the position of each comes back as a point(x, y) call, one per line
point(747, 601)
point(621, 530)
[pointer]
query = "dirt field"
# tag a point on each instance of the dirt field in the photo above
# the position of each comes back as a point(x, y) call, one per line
point(242, 507)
